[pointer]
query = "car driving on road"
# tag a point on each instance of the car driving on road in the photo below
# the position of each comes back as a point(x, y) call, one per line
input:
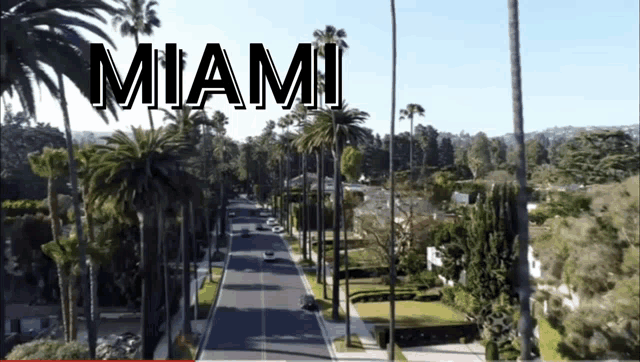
point(272, 221)
point(278, 229)
point(269, 256)
point(308, 302)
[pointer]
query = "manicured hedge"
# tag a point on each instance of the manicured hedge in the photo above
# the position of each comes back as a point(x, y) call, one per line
point(423, 336)
point(381, 297)
point(357, 273)
point(24, 207)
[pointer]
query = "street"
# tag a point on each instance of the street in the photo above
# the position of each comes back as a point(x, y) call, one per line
point(258, 316)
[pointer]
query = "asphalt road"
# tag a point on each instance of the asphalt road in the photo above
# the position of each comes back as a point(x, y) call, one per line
point(258, 316)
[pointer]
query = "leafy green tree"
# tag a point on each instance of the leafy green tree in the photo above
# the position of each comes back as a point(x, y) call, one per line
point(498, 152)
point(446, 152)
point(599, 157)
point(428, 140)
point(351, 163)
point(479, 155)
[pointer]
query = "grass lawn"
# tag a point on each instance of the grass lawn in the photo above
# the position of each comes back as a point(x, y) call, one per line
point(341, 345)
point(207, 294)
point(549, 339)
point(410, 313)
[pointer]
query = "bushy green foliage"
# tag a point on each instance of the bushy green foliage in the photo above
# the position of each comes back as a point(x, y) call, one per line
point(43, 349)
point(439, 187)
point(562, 204)
point(427, 279)
point(22, 207)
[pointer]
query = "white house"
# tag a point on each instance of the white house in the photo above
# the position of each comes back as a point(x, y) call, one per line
point(434, 261)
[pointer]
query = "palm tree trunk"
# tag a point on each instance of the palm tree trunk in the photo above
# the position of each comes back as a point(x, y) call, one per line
point(288, 195)
point(147, 226)
point(63, 282)
point(411, 183)
point(523, 217)
point(73, 308)
point(303, 224)
point(82, 245)
point(346, 276)
point(165, 258)
point(336, 224)
point(93, 268)
point(206, 203)
point(186, 287)
point(135, 37)
point(392, 261)
point(194, 252)
point(2, 274)
point(322, 229)
point(319, 259)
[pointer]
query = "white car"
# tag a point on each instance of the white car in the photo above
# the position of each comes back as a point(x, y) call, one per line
point(272, 221)
point(269, 256)
point(232, 214)
point(278, 229)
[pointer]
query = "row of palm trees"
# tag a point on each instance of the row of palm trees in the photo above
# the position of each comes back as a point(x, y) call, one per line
point(26, 48)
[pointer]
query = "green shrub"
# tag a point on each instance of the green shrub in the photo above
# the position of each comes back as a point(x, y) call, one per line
point(24, 207)
point(425, 278)
point(43, 349)
point(448, 296)
point(491, 352)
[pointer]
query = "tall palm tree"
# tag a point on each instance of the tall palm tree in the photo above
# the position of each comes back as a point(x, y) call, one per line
point(135, 18)
point(300, 113)
point(523, 217)
point(2, 273)
point(392, 246)
point(336, 128)
point(412, 110)
point(26, 47)
point(284, 123)
point(330, 35)
point(141, 174)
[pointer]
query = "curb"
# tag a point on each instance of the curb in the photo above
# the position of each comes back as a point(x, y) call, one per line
point(321, 321)
point(215, 302)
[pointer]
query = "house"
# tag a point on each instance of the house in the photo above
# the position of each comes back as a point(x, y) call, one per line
point(460, 198)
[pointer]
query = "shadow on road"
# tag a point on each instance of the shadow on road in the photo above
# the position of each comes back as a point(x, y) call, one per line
point(290, 332)
point(252, 287)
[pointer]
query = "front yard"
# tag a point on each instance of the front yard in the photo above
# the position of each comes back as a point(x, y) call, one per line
point(410, 313)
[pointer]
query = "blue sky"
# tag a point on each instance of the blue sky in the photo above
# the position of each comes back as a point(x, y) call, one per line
point(579, 60)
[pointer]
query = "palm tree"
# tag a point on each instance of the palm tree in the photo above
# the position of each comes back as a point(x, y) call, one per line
point(347, 129)
point(284, 123)
point(52, 164)
point(412, 110)
point(392, 246)
point(27, 46)
point(523, 217)
point(332, 36)
point(162, 59)
point(135, 18)
point(2, 274)
point(141, 174)
point(300, 113)
point(44, 33)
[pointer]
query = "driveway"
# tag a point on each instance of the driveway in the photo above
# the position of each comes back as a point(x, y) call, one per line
point(257, 316)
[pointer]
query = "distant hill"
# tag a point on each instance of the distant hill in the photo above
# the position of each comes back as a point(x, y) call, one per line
point(550, 133)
